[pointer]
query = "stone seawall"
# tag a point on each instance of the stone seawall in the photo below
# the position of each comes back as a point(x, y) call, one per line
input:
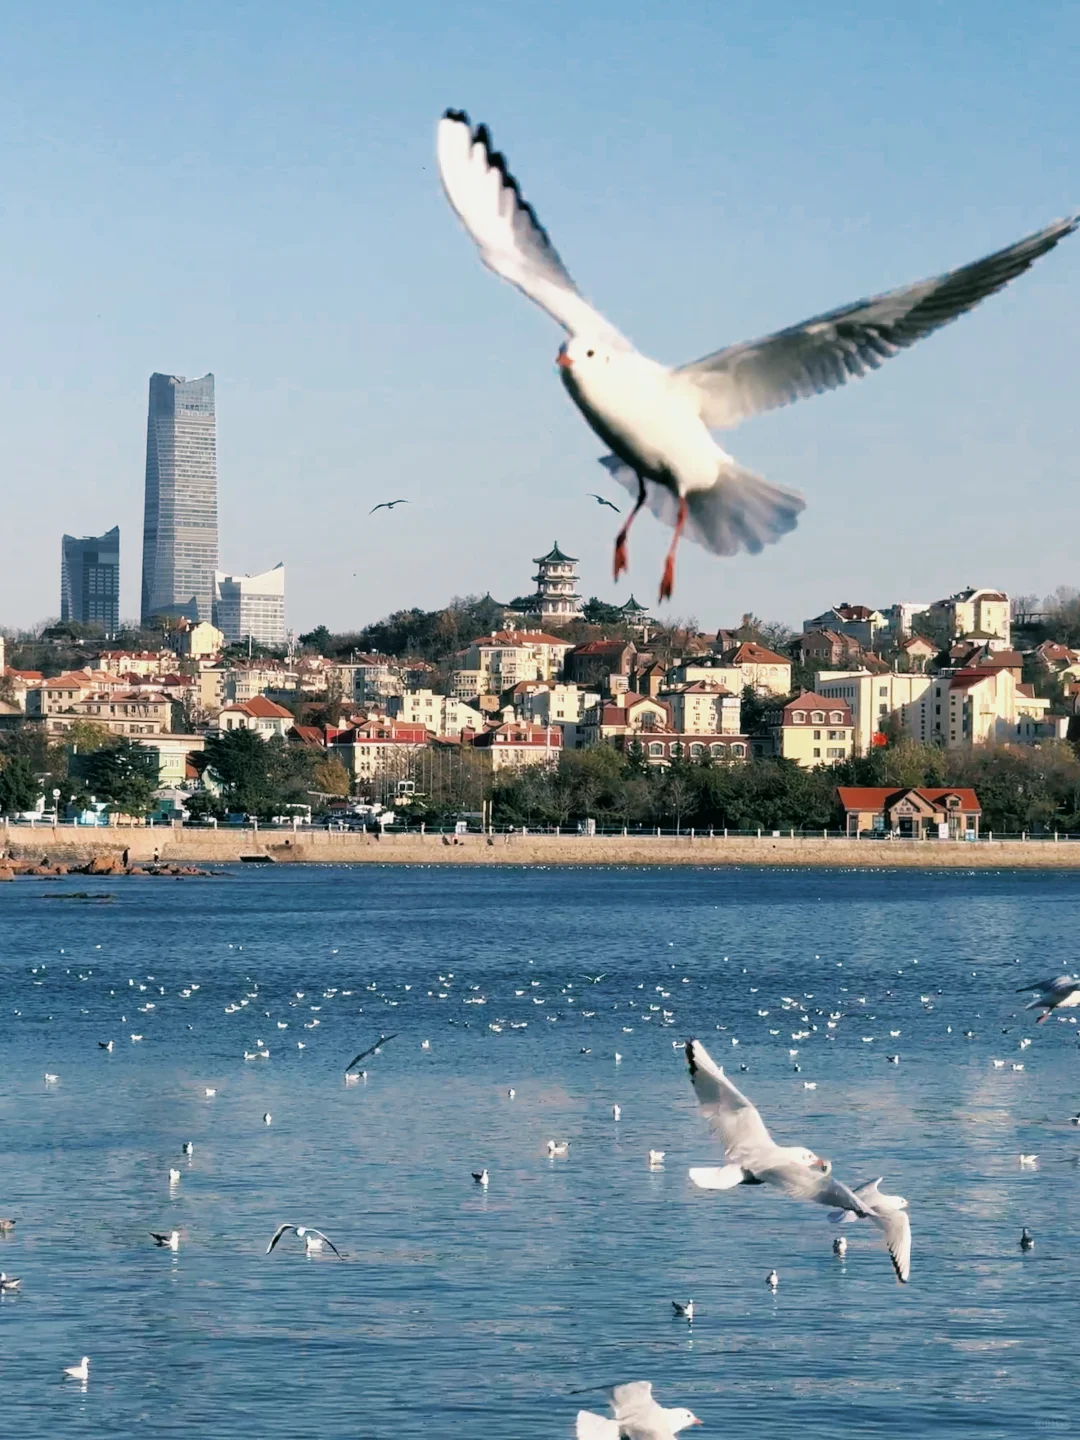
point(179, 846)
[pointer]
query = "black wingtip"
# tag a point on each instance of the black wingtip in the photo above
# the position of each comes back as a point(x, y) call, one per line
point(689, 1048)
point(457, 115)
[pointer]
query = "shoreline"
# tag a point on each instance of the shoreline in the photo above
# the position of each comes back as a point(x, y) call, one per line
point(67, 846)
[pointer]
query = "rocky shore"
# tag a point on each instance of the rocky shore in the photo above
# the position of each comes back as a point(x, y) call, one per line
point(99, 865)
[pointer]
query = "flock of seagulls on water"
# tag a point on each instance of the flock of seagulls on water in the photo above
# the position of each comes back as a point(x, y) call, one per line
point(751, 1156)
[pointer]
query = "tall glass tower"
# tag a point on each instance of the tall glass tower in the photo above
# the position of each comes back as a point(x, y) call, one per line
point(180, 535)
point(90, 580)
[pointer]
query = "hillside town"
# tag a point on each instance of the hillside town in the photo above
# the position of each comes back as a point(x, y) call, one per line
point(551, 710)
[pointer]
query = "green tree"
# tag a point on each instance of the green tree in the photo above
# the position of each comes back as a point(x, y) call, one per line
point(240, 761)
point(124, 774)
point(330, 777)
point(19, 786)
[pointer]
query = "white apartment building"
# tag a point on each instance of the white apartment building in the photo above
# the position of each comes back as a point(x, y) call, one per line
point(555, 703)
point(251, 607)
point(505, 658)
point(979, 612)
point(877, 700)
point(977, 706)
point(703, 708)
point(441, 714)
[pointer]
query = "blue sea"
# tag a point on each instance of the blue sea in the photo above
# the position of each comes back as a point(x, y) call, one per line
point(495, 1314)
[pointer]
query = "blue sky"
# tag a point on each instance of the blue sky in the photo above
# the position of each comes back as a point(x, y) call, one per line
point(250, 189)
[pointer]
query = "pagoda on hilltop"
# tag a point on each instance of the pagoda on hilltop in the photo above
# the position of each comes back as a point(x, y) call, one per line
point(557, 600)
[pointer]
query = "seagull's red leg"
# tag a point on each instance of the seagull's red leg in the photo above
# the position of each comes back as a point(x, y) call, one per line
point(667, 584)
point(621, 562)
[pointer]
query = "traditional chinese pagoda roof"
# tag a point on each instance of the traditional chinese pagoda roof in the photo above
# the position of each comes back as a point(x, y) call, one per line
point(632, 608)
point(555, 557)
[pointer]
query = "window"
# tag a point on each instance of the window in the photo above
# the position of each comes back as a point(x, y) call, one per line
point(883, 690)
point(817, 716)
point(817, 734)
point(836, 735)
point(718, 749)
point(817, 753)
point(655, 748)
point(737, 749)
point(835, 753)
point(697, 750)
point(883, 709)
point(837, 717)
point(798, 717)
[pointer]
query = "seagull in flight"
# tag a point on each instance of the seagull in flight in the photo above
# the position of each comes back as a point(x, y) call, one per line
point(601, 501)
point(371, 1050)
point(314, 1240)
point(658, 420)
point(637, 1416)
point(387, 505)
point(753, 1157)
point(889, 1214)
point(1062, 993)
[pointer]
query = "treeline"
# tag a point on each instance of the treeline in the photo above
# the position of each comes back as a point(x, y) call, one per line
point(1020, 789)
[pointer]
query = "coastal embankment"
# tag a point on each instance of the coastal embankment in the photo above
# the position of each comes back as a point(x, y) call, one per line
point(177, 846)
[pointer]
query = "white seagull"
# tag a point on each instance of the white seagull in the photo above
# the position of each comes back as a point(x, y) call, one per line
point(1061, 993)
point(171, 1241)
point(314, 1240)
point(80, 1371)
point(753, 1157)
point(889, 1214)
point(657, 420)
point(637, 1416)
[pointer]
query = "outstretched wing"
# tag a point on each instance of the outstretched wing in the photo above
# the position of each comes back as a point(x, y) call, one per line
point(277, 1235)
point(896, 1227)
point(803, 1183)
point(823, 353)
point(371, 1050)
point(595, 1427)
point(512, 242)
point(1062, 984)
point(731, 1115)
point(631, 1399)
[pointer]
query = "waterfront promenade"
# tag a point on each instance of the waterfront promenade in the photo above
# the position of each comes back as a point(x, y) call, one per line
point(68, 844)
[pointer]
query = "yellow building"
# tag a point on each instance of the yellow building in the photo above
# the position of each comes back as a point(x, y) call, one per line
point(979, 612)
point(888, 702)
point(812, 730)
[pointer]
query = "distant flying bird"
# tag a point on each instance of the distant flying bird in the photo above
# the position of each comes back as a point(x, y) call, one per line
point(657, 419)
point(387, 505)
point(1061, 993)
point(371, 1050)
point(601, 501)
point(314, 1240)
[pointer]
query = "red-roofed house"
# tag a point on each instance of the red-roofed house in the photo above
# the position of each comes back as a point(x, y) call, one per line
point(501, 660)
point(516, 744)
point(378, 747)
point(265, 717)
point(914, 813)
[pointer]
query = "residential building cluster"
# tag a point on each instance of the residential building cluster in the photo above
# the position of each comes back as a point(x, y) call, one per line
point(523, 694)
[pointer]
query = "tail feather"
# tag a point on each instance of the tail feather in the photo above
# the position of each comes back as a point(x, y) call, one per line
point(740, 511)
point(595, 1427)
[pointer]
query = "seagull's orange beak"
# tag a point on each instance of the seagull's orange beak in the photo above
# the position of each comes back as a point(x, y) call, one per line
point(563, 361)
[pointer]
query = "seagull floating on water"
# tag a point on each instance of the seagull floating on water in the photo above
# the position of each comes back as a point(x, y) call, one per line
point(1029, 1161)
point(657, 420)
point(772, 1279)
point(9, 1282)
point(174, 1176)
point(171, 1241)
point(481, 1177)
point(6, 1226)
point(637, 1416)
point(314, 1240)
point(1027, 1240)
point(656, 1157)
point(558, 1147)
point(80, 1371)
point(754, 1158)
point(683, 1308)
point(839, 1245)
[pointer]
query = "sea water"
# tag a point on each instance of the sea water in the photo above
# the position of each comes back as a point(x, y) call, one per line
point(496, 1313)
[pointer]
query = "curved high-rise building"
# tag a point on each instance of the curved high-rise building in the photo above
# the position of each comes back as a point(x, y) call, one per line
point(252, 607)
point(180, 530)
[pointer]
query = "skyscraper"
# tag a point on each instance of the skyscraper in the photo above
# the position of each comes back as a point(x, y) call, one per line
point(180, 538)
point(252, 606)
point(90, 580)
